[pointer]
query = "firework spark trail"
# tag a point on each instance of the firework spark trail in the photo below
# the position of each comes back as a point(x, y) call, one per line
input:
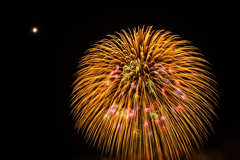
point(144, 95)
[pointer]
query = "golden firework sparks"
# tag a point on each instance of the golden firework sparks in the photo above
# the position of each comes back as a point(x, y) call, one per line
point(144, 95)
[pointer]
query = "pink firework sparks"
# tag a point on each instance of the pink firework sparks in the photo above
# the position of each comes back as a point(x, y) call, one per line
point(170, 70)
point(180, 108)
point(146, 109)
point(164, 128)
point(184, 97)
point(122, 93)
point(145, 124)
point(111, 73)
point(162, 68)
point(113, 110)
point(163, 90)
point(131, 116)
point(176, 83)
point(116, 67)
point(163, 118)
point(156, 121)
point(115, 76)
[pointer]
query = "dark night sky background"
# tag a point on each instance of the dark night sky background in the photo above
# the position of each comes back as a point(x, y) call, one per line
point(40, 66)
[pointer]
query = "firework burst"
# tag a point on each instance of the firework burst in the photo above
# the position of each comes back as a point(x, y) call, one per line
point(143, 95)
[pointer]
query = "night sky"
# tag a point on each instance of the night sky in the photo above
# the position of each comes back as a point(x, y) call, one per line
point(40, 68)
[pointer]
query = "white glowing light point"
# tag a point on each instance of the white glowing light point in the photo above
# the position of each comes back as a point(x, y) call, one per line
point(184, 97)
point(34, 30)
point(163, 118)
point(145, 124)
point(116, 75)
point(146, 109)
